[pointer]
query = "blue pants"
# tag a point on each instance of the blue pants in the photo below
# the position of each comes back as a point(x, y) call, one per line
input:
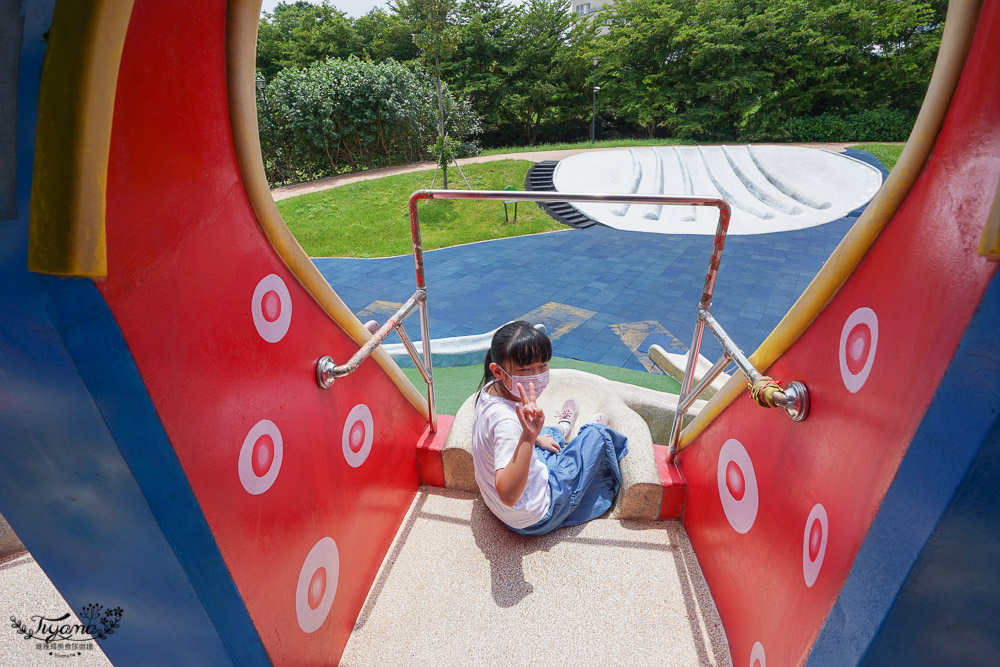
point(583, 478)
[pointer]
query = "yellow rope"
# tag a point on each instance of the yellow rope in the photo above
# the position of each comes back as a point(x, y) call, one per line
point(762, 391)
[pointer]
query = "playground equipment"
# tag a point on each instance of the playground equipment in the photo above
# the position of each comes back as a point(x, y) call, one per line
point(770, 188)
point(166, 447)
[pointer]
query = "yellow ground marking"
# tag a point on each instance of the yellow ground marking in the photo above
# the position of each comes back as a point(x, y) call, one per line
point(559, 319)
point(634, 334)
point(379, 310)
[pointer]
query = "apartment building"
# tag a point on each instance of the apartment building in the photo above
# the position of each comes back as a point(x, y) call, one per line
point(584, 8)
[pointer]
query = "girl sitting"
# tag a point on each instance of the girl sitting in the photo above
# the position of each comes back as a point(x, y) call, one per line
point(529, 477)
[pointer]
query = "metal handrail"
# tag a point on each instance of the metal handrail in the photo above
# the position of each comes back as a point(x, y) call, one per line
point(552, 196)
point(794, 399)
point(327, 370)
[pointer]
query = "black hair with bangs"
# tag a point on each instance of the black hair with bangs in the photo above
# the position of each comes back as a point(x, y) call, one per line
point(519, 342)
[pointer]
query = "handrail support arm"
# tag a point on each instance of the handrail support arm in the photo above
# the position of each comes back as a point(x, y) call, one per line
point(327, 370)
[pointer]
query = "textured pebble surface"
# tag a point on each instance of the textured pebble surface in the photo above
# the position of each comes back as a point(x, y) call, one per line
point(25, 591)
point(458, 588)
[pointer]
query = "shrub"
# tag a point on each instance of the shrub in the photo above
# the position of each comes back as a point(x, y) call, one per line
point(340, 115)
point(873, 125)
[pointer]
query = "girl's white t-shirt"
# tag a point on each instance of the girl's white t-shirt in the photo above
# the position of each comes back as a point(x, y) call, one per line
point(495, 434)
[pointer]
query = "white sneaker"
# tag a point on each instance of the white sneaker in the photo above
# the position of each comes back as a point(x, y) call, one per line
point(567, 416)
point(599, 418)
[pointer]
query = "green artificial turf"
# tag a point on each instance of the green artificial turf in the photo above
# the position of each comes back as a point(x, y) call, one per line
point(452, 385)
point(371, 218)
point(887, 154)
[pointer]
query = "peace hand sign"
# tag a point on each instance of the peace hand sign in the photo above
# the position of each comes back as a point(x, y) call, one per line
point(528, 413)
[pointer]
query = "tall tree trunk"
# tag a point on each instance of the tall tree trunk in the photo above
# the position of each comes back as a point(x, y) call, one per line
point(443, 159)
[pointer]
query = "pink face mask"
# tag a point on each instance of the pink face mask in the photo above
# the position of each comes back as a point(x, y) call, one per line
point(541, 381)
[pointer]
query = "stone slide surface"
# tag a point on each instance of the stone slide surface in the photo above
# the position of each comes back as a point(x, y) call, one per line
point(770, 188)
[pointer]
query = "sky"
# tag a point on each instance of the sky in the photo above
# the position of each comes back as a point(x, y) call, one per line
point(353, 8)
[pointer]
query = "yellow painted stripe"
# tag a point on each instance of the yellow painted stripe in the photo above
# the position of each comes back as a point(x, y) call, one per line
point(960, 26)
point(559, 318)
point(989, 245)
point(73, 135)
point(241, 54)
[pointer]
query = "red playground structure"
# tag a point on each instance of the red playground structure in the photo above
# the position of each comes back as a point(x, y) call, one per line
point(166, 444)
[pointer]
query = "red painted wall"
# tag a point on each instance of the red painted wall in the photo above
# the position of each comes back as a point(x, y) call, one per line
point(777, 510)
point(303, 488)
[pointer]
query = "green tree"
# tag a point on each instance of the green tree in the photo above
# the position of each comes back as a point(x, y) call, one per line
point(721, 69)
point(842, 57)
point(485, 46)
point(639, 57)
point(343, 115)
point(301, 33)
point(548, 74)
point(385, 36)
point(436, 34)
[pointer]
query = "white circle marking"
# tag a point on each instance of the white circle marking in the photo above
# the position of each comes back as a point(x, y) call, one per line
point(743, 512)
point(323, 554)
point(359, 413)
point(810, 567)
point(253, 484)
point(866, 316)
point(274, 331)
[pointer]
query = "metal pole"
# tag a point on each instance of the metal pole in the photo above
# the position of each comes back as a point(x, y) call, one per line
point(675, 429)
point(327, 370)
point(555, 196)
point(425, 329)
point(794, 399)
point(593, 112)
point(730, 346)
point(444, 139)
point(685, 402)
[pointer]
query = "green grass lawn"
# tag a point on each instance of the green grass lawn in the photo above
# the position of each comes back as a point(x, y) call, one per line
point(452, 385)
point(370, 218)
point(887, 154)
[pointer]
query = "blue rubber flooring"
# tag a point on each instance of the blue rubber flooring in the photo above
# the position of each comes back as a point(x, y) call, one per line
point(605, 295)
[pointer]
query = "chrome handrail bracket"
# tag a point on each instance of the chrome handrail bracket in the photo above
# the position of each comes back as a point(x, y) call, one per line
point(324, 372)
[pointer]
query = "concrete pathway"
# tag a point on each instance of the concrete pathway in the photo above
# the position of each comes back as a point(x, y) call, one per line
point(26, 592)
point(284, 192)
point(458, 588)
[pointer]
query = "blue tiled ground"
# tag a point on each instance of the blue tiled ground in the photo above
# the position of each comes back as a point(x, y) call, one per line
point(624, 290)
